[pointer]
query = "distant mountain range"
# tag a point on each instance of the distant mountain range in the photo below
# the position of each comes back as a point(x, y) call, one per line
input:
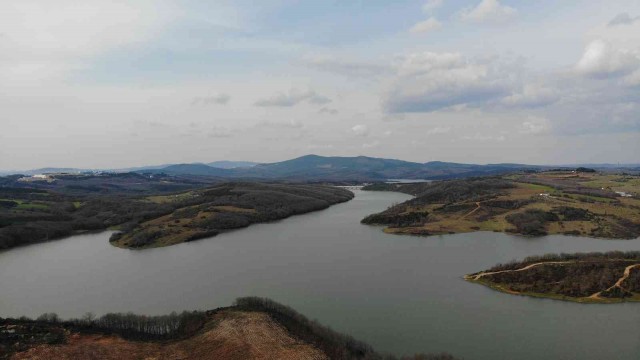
point(361, 168)
point(225, 164)
point(322, 168)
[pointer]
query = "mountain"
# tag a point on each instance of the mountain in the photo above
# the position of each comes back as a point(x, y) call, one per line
point(337, 168)
point(334, 168)
point(226, 164)
point(193, 169)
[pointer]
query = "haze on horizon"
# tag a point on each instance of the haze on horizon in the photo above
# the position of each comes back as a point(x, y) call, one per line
point(97, 84)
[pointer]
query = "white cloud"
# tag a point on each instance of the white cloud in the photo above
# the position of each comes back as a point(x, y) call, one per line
point(633, 79)
point(438, 131)
point(220, 132)
point(483, 137)
point(54, 37)
point(431, 81)
point(531, 96)
point(353, 69)
point(360, 130)
point(488, 11)
point(431, 24)
point(431, 5)
point(535, 126)
point(291, 124)
point(601, 60)
point(292, 98)
point(220, 99)
point(370, 145)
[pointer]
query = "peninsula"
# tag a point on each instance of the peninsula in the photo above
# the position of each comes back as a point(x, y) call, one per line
point(588, 278)
point(578, 202)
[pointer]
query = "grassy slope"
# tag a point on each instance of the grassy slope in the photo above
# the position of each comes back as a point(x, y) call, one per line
point(207, 212)
point(610, 217)
point(254, 328)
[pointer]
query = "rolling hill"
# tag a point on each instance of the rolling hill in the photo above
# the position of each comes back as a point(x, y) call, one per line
point(360, 168)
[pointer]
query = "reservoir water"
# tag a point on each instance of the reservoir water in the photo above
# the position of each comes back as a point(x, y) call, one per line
point(401, 294)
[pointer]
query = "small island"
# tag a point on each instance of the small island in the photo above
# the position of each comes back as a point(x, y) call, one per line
point(579, 202)
point(586, 278)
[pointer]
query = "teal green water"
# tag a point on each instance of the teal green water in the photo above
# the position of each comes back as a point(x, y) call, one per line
point(402, 294)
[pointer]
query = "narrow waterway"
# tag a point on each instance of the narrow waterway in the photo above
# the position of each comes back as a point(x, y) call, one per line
point(402, 294)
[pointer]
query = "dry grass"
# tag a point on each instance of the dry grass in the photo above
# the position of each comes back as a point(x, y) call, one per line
point(230, 335)
point(607, 211)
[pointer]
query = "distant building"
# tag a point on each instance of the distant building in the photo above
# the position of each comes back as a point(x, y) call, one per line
point(623, 194)
point(37, 177)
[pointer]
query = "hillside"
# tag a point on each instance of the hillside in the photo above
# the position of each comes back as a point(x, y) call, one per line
point(254, 328)
point(205, 213)
point(602, 278)
point(226, 164)
point(129, 183)
point(571, 203)
point(79, 203)
point(360, 168)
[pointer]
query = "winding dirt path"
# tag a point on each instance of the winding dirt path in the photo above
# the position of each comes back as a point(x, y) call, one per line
point(627, 273)
point(478, 276)
point(471, 212)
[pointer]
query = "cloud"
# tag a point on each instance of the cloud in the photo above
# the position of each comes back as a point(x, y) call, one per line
point(431, 5)
point(291, 124)
point(326, 110)
point(423, 27)
point(438, 131)
point(53, 38)
point(293, 98)
point(601, 60)
point(220, 99)
point(220, 132)
point(531, 96)
point(623, 19)
point(488, 11)
point(633, 79)
point(370, 145)
point(352, 69)
point(360, 130)
point(482, 137)
point(535, 126)
point(429, 81)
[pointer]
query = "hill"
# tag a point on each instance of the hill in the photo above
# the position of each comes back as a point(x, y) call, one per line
point(360, 168)
point(225, 164)
point(207, 212)
point(253, 328)
point(585, 204)
point(597, 277)
point(145, 212)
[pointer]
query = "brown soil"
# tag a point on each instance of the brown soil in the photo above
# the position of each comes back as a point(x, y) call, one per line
point(229, 335)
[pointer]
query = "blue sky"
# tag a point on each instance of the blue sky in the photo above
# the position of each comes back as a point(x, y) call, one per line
point(125, 83)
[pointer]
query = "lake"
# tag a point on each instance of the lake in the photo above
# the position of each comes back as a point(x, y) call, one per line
point(401, 294)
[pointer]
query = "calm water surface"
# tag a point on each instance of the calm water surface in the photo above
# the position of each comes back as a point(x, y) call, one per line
point(402, 294)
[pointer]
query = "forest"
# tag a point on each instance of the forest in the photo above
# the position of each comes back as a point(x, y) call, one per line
point(527, 203)
point(584, 277)
point(30, 215)
point(19, 335)
point(207, 212)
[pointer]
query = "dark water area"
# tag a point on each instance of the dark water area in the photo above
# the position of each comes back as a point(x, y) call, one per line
point(401, 294)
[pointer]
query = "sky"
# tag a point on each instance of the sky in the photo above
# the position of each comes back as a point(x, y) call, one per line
point(113, 84)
